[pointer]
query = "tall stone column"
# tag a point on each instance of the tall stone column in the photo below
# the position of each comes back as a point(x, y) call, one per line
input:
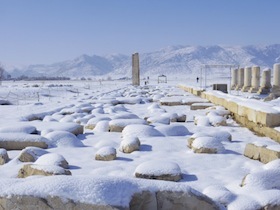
point(266, 82)
point(135, 69)
point(255, 79)
point(276, 75)
point(247, 79)
point(234, 78)
point(240, 79)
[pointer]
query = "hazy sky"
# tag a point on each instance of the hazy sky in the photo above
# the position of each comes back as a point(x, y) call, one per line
point(47, 31)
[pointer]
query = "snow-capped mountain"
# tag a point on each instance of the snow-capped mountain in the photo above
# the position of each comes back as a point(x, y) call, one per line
point(175, 60)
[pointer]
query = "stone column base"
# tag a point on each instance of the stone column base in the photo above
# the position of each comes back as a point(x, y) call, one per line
point(245, 88)
point(253, 90)
point(264, 90)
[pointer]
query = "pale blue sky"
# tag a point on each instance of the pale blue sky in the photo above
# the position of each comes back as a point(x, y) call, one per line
point(47, 31)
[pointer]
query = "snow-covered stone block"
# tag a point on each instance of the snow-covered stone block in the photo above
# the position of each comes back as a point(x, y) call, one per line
point(118, 125)
point(208, 145)
point(93, 121)
point(31, 154)
point(106, 154)
point(196, 106)
point(19, 141)
point(173, 130)
point(129, 144)
point(263, 153)
point(140, 131)
point(159, 119)
point(169, 171)
point(29, 129)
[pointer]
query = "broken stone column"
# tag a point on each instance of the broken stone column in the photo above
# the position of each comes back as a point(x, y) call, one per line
point(266, 82)
point(135, 69)
point(234, 79)
point(255, 79)
point(247, 79)
point(240, 79)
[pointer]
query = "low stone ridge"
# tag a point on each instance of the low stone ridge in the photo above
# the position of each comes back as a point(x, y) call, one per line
point(43, 170)
point(261, 153)
point(106, 154)
point(19, 141)
point(4, 158)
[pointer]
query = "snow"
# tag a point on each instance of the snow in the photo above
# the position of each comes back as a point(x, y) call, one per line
point(163, 147)
point(50, 159)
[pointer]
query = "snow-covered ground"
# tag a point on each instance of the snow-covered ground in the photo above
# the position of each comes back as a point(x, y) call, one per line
point(219, 176)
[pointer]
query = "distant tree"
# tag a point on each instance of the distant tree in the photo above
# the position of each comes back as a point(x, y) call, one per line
point(1, 73)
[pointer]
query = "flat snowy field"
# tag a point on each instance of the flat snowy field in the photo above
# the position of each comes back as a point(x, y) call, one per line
point(164, 147)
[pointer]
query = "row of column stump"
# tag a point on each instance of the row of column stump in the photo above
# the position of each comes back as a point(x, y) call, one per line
point(248, 80)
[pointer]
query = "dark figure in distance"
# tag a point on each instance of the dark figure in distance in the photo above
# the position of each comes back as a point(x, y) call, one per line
point(197, 79)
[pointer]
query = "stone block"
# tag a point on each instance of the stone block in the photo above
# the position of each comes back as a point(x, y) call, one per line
point(261, 153)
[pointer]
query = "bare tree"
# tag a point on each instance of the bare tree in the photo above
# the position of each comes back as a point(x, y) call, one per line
point(1, 73)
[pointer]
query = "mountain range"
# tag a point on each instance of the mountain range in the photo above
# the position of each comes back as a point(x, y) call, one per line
point(175, 60)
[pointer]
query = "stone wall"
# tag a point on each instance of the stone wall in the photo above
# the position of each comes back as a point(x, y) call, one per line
point(261, 121)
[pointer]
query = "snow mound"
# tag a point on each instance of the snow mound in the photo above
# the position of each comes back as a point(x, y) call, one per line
point(220, 194)
point(52, 159)
point(244, 202)
point(125, 116)
point(140, 131)
point(102, 126)
point(201, 121)
point(29, 129)
point(275, 164)
point(63, 139)
point(265, 180)
point(173, 130)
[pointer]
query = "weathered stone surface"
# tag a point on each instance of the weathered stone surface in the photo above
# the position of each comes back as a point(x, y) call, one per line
point(181, 200)
point(32, 169)
point(4, 158)
point(26, 202)
point(144, 200)
point(261, 153)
